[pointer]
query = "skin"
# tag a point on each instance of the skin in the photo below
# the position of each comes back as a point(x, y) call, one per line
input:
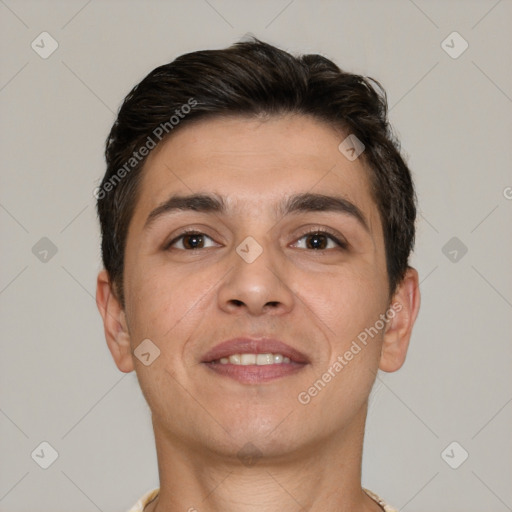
point(318, 301)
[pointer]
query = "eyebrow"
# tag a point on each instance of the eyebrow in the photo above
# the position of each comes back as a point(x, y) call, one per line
point(298, 203)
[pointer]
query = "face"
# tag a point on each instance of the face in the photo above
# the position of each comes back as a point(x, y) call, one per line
point(311, 276)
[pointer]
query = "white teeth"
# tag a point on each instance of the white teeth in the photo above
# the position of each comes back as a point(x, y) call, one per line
point(262, 359)
point(257, 359)
point(246, 359)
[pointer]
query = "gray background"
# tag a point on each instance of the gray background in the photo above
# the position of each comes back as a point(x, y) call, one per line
point(58, 381)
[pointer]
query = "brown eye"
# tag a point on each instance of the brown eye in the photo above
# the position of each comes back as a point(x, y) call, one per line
point(189, 241)
point(319, 241)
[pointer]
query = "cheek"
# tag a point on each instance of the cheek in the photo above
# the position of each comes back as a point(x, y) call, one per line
point(344, 302)
point(345, 308)
point(347, 315)
point(164, 302)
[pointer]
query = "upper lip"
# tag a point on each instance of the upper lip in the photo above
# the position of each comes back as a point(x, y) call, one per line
point(247, 345)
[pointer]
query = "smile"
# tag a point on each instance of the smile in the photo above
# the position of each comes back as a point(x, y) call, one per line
point(249, 368)
point(253, 359)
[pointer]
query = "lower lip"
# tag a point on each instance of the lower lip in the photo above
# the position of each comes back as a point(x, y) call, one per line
point(255, 374)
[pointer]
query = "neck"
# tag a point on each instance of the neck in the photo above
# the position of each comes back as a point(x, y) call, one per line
point(324, 476)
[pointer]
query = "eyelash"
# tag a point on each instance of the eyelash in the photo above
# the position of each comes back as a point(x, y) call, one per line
point(342, 244)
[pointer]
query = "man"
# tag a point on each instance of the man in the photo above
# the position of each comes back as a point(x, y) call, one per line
point(257, 220)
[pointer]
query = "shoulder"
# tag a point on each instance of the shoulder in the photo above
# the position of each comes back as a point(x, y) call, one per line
point(149, 495)
point(144, 500)
point(379, 500)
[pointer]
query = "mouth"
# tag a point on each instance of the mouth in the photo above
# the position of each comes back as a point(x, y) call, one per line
point(254, 361)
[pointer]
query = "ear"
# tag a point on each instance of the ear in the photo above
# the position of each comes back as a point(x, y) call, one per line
point(405, 305)
point(114, 323)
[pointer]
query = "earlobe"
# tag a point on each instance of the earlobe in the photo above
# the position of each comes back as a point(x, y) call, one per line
point(402, 313)
point(114, 323)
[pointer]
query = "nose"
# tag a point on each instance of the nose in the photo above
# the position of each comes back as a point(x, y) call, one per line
point(257, 286)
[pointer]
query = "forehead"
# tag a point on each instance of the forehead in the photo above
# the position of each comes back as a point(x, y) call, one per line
point(254, 164)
